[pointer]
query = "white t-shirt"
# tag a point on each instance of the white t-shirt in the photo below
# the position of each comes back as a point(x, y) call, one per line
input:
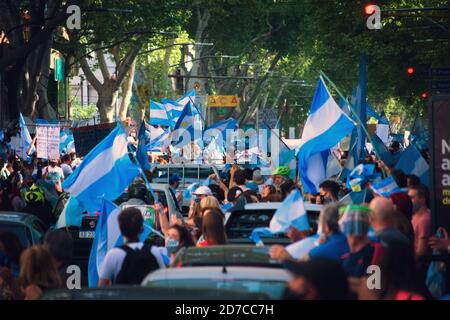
point(114, 259)
point(54, 173)
point(67, 170)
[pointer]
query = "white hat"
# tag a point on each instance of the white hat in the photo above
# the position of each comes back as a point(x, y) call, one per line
point(202, 191)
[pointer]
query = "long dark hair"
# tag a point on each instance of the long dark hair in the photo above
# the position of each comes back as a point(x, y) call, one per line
point(186, 239)
point(213, 228)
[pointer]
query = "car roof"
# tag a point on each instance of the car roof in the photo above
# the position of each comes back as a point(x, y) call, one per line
point(154, 292)
point(233, 255)
point(11, 216)
point(217, 273)
point(277, 205)
point(159, 186)
point(181, 165)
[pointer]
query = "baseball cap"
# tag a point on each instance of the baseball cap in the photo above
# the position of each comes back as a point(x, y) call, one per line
point(326, 275)
point(173, 178)
point(203, 191)
point(282, 171)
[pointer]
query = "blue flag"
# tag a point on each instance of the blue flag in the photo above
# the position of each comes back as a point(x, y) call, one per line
point(105, 172)
point(326, 125)
point(385, 187)
point(159, 115)
point(141, 152)
point(412, 162)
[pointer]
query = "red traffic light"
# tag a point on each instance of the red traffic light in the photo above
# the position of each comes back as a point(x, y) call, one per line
point(410, 70)
point(369, 9)
point(424, 95)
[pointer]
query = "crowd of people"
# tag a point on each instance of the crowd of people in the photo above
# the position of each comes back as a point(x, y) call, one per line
point(328, 261)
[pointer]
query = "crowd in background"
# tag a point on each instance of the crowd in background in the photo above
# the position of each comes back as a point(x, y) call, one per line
point(328, 262)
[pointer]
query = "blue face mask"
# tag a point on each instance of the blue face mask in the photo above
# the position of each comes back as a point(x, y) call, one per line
point(172, 246)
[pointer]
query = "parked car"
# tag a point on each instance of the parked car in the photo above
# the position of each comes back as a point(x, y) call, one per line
point(27, 227)
point(229, 255)
point(269, 281)
point(151, 293)
point(239, 224)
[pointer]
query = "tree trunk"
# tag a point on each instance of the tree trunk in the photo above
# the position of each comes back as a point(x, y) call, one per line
point(43, 108)
point(127, 92)
point(106, 103)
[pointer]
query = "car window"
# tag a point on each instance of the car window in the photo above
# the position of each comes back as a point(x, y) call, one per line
point(274, 289)
point(160, 174)
point(20, 231)
point(205, 172)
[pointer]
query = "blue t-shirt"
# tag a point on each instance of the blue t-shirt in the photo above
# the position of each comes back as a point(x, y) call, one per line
point(334, 248)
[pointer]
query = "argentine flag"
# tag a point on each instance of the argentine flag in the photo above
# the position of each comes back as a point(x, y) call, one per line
point(105, 172)
point(107, 236)
point(25, 139)
point(291, 213)
point(187, 127)
point(219, 127)
point(385, 187)
point(412, 162)
point(159, 115)
point(326, 125)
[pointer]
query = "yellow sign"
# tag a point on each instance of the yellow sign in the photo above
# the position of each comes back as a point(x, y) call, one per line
point(223, 101)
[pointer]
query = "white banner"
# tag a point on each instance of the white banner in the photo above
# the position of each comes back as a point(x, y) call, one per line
point(47, 143)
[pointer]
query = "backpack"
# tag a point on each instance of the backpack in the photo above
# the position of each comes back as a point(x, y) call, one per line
point(136, 265)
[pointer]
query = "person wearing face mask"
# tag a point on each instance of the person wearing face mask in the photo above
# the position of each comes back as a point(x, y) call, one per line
point(329, 192)
point(177, 237)
point(132, 140)
point(421, 219)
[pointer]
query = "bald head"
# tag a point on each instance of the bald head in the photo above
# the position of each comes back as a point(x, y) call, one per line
point(382, 209)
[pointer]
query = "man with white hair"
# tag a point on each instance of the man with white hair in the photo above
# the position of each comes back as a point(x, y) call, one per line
point(383, 221)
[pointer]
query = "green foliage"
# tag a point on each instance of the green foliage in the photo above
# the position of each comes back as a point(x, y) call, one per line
point(80, 112)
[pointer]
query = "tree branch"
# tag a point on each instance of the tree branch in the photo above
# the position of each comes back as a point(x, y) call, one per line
point(102, 64)
point(90, 75)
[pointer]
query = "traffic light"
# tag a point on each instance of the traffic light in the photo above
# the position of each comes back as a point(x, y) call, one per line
point(424, 96)
point(369, 9)
point(410, 71)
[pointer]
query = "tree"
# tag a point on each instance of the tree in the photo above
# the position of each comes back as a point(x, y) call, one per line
point(140, 23)
point(28, 29)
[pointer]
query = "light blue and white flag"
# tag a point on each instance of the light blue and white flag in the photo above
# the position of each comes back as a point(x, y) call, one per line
point(220, 126)
point(25, 139)
point(385, 187)
point(72, 214)
point(382, 151)
point(291, 213)
point(187, 127)
point(105, 172)
point(163, 140)
point(326, 125)
point(107, 236)
point(412, 162)
point(159, 115)
point(66, 142)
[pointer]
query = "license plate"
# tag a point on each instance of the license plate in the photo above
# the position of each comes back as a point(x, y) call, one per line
point(86, 234)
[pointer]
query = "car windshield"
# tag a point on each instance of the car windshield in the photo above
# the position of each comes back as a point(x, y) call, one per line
point(191, 174)
point(20, 231)
point(274, 289)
